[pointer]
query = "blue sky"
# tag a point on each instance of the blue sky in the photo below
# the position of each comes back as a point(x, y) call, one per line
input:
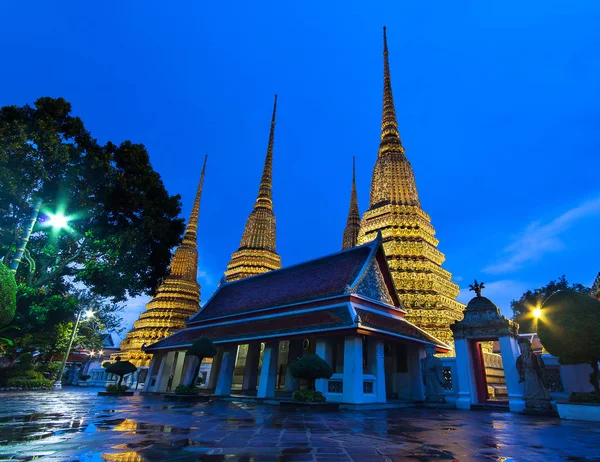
point(498, 106)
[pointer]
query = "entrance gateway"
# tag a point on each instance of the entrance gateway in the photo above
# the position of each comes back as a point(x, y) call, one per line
point(343, 307)
point(484, 376)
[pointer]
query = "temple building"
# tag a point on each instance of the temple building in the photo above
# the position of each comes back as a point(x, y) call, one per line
point(425, 288)
point(177, 297)
point(595, 292)
point(352, 229)
point(257, 253)
point(343, 307)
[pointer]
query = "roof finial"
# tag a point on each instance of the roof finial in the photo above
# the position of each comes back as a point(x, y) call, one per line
point(390, 136)
point(476, 287)
point(192, 227)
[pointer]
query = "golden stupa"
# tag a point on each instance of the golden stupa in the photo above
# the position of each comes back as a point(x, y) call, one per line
point(257, 254)
point(423, 285)
point(177, 297)
point(350, 238)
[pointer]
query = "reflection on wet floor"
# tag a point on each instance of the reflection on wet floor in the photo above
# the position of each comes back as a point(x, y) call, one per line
point(78, 426)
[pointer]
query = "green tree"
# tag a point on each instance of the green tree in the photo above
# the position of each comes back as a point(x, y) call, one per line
point(311, 367)
point(8, 295)
point(123, 221)
point(524, 306)
point(569, 328)
point(202, 348)
point(121, 369)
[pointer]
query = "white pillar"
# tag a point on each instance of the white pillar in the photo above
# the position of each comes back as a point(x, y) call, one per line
point(215, 368)
point(377, 368)
point(268, 372)
point(294, 353)
point(417, 388)
point(464, 381)
point(324, 350)
point(251, 367)
point(189, 366)
point(226, 371)
point(162, 380)
point(178, 373)
point(154, 366)
point(353, 370)
point(509, 349)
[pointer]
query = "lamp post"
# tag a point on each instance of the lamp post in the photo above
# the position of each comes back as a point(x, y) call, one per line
point(57, 221)
point(58, 383)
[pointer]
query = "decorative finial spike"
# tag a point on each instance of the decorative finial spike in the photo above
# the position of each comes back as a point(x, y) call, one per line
point(476, 287)
point(350, 238)
point(385, 48)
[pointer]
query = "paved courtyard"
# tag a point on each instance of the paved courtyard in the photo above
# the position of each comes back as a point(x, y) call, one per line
point(80, 426)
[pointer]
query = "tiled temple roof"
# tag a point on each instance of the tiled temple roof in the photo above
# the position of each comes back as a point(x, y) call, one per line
point(316, 279)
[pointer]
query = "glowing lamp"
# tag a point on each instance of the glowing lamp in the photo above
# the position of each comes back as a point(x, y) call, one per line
point(537, 313)
point(58, 221)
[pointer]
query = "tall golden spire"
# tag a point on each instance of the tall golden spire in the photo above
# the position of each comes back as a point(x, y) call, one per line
point(177, 297)
point(257, 253)
point(423, 285)
point(353, 223)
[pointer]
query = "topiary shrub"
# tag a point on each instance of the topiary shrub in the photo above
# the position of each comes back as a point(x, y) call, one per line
point(569, 328)
point(121, 369)
point(309, 396)
point(29, 383)
point(8, 295)
point(310, 368)
point(84, 377)
point(105, 364)
point(202, 348)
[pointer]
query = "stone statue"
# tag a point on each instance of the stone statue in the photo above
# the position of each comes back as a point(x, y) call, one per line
point(531, 371)
point(433, 377)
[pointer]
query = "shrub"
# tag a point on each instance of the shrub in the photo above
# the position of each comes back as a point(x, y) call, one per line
point(105, 364)
point(52, 369)
point(8, 295)
point(84, 377)
point(25, 361)
point(569, 328)
point(28, 383)
point(309, 396)
point(120, 368)
point(310, 368)
point(116, 388)
point(185, 390)
point(202, 348)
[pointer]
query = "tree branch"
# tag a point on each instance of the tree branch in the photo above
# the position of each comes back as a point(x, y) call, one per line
point(47, 276)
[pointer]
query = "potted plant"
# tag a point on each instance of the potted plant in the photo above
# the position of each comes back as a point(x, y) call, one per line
point(120, 369)
point(569, 328)
point(201, 348)
point(310, 368)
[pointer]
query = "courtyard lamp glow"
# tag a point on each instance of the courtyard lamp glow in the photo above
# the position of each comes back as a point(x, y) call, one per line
point(88, 314)
point(537, 313)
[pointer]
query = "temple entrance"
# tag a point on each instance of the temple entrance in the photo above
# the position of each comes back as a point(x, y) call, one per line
point(489, 372)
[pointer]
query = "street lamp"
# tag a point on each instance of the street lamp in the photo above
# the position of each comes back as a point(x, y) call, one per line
point(87, 314)
point(57, 220)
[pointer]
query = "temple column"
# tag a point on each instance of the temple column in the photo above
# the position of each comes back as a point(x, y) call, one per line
point(464, 370)
point(154, 366)
point(178, 373)
point(353, 370)
point(251, 367)
point(226, 371)
point(268, 372)
point(189, 366)
point(164, 372)
point(417, 388)
point(295, 352)
point(324, 350)
point(377, 368)
point(213, 376)
point(509, 349)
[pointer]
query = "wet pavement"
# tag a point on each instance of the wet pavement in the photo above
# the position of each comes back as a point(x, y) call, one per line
point(80, 426)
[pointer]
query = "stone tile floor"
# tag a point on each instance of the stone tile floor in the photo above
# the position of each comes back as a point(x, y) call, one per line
point(77, 425)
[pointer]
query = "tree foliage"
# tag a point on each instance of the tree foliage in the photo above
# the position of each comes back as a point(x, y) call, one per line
point(123, 222)
point(8, 295)
point(523, 308)
point(121, 369)
point(570, 329)
point(202, 348)
point(311, 367)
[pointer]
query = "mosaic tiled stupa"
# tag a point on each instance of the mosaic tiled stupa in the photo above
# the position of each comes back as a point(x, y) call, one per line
point(177, 297)
point(425, 288)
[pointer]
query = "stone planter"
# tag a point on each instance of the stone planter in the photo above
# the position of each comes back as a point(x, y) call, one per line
point(188, 398)
point(312, 407)
point(112, 393)
point(579, 411)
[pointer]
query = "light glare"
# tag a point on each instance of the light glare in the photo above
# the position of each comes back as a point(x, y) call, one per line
point(537, 313)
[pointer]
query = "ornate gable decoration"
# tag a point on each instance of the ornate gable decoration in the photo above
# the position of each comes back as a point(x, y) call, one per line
point(372, 285)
